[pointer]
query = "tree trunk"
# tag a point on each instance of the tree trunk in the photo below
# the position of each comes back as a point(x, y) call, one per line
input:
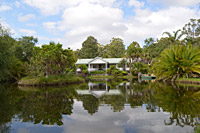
point(130, 68)
point(46, 71)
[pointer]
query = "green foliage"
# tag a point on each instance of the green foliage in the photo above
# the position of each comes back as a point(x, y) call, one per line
point(116, 49)
point(83, 67)
point(89, 48)
point(197, 130)
point(51, 80)
point(139, 67)
point(192, 30)
point(8, 61)
point(123, 63)
point(85, 71)
point(134, 50)
point(182, 103)
point(51, 60)
point(175, 37)
point(114, 71)
point(152, 49)
point(98, 72)
point(24, 48)
point(179, 61)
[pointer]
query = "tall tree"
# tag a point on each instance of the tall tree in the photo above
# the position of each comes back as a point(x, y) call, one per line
point(25, 45)
point(175, 37)
point(89, 48)
point(133, 53)
point(51, 60)
point(6, 43)
point(152, 48)
point(116, 49)
point(192, 30)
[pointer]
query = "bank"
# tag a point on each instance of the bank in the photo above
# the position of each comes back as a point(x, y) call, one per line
point(188, 81)
point(51, 80)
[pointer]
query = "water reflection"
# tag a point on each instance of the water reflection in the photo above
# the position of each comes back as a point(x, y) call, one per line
point(129, 106)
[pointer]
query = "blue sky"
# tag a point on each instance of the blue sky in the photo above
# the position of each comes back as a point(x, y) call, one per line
point(70, 22)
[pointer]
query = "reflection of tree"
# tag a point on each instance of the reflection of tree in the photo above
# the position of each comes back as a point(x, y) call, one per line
point(141, 93)
point(116, 101)
point(182, 102)
point(114, 83)
point(90, 103)
point(48, 106)
point(5, 128)
point(9, 105)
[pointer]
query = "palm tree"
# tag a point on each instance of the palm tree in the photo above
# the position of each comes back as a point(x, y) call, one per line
point(133, 52)
point(175, 37)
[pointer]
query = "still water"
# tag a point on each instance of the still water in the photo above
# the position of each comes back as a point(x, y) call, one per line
point(100, 107)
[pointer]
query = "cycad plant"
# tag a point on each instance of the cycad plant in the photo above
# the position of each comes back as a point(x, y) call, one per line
point(179, 61)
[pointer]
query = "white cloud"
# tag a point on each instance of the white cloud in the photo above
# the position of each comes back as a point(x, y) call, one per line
point(176, 2)
point(91, 19)
point(26, 17)
point(17, 4)
point(103, 20)
point(7, 26)
point(50, 26)
point(136, 3)
point(28, 32)
point(50, 7)
point(128, 120)
point(4, 8)
point(32, 24)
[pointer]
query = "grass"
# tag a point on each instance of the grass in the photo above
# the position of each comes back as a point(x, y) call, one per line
point(51, 80)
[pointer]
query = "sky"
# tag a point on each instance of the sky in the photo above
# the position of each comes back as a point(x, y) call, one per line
point(70, 22)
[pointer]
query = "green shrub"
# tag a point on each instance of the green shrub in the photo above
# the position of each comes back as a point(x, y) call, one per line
point(139, 67)
point(124, 73)
point(85, 71)
point(115, 72)
point(82, 67)
point(109, 70)
point(98, 72)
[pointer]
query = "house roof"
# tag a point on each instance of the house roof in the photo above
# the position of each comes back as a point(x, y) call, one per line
point(109, 60)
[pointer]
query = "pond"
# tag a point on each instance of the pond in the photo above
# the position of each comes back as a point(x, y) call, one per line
point(100, 107)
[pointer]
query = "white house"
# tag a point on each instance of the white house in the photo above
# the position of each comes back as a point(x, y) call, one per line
point(100, 63)
point(98, 90)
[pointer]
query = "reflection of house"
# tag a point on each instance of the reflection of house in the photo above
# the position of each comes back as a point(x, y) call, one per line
point(98, 90)
point(100, 63)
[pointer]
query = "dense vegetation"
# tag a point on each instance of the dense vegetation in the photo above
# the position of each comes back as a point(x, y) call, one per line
point(170, 57)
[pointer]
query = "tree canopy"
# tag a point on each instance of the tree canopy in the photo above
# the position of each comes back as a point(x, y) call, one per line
point(89, 48)
point(115, 49)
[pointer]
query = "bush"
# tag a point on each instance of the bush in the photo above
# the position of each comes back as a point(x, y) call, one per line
point(98, 72)
point(139, 67)
point(110, 70)
point(115, 72)
point(85, 71)
point(82, 67)
point(124, 73)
